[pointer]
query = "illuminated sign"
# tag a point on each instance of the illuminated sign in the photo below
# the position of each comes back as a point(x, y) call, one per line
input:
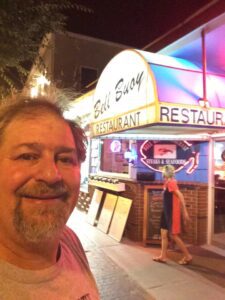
point(115, 146)
point(192, 116)
point(156, 154)
point(130, 155)
point(124, 95)
point(117, 124)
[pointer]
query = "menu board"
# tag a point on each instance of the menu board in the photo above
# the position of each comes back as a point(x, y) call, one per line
point(107, 212)
point(94, 206)
point(154, 213)
point(119, 219)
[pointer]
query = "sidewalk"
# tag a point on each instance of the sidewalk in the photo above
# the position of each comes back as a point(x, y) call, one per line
point(126, 271)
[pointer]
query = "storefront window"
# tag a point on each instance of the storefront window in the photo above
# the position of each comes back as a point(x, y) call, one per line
point(219, 210)
point(114, 156)
point(219, 154)
point(84, 171)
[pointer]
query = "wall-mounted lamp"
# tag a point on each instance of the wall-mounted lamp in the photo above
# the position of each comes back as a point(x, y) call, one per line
point(39, 85)
point(203, 103)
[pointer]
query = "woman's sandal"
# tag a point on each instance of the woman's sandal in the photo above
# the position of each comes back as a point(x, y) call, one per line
point(184, 261)
point(159, 259)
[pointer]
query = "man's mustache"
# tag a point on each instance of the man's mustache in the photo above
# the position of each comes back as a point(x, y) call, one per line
point(42, 190)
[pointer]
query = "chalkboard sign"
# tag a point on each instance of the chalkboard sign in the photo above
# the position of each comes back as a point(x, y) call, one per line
point(152, 214)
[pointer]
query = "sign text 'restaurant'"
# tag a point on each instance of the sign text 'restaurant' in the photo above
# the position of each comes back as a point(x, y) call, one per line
point(209, 117)
point(117, 124)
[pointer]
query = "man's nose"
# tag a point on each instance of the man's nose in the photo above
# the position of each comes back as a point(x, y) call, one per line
point(48, 171)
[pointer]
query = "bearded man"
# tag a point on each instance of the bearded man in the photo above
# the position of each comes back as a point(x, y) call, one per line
point(40, 158)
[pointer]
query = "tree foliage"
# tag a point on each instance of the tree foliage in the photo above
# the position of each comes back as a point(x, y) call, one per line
point(23, 26)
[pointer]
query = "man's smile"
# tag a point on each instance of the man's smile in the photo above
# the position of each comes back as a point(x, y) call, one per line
point(46, 197)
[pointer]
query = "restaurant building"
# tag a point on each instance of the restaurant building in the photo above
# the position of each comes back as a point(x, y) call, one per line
point(149, 110)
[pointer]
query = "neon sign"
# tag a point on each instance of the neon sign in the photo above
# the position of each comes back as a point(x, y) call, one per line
point(115, 146)
point(130, 155)
point(156, 154)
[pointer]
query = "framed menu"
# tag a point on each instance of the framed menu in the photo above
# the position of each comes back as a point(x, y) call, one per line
point(152, 214)
point(107, 212)
point(119, 219)
point(94, 206)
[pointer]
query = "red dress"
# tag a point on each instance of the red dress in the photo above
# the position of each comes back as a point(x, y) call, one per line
point(171, 215)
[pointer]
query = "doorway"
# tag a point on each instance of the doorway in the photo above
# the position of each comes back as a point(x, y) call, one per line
point(218, 238)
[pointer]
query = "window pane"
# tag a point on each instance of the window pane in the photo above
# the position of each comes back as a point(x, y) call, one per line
point(88, 75)
point(112, 156)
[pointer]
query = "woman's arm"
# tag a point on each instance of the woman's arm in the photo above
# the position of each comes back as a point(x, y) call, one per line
point(183, 206)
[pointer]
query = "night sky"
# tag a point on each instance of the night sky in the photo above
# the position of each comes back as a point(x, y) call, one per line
point(133, 23)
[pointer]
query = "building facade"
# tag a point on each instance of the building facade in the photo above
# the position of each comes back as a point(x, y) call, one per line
point(71, 62)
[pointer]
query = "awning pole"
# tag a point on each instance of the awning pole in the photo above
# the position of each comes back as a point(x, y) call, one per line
point(204, 66)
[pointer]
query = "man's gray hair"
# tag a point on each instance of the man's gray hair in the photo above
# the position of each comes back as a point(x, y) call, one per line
point(27, 108)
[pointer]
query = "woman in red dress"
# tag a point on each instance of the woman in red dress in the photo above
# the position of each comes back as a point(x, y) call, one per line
point(170, 224)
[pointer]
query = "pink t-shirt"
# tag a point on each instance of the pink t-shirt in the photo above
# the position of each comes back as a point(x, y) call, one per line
point(69, 278)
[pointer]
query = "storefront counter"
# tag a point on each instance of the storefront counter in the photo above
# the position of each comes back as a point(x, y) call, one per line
point(143, 221)
point(116, 187)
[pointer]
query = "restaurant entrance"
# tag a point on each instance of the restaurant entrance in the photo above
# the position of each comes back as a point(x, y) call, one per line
point(218, 238)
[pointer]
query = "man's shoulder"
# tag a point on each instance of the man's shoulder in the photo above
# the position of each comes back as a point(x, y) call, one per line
point(68, 234)
point(71, 240)
point(72, 248)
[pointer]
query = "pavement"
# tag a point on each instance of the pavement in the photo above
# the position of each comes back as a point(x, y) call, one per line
point(125, 270)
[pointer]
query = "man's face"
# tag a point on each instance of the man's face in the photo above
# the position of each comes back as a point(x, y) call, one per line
point(39, 178)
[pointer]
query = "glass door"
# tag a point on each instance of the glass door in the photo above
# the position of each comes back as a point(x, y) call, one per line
point(218, 238)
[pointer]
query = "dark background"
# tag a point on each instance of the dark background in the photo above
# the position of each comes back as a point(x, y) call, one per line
point(131, 22)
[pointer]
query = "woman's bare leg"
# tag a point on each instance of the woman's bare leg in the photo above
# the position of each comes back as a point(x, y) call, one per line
point(164, 243)
point(182, 246)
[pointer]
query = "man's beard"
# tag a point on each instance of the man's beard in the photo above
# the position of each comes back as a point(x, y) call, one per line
point(43, 222)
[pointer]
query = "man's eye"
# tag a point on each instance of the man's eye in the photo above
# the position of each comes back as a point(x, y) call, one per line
point(27, 156)
point(67, 160)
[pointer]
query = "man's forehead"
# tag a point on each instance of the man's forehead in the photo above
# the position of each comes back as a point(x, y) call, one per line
point(47, 127)
point(38, 119)
point(37, 113)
